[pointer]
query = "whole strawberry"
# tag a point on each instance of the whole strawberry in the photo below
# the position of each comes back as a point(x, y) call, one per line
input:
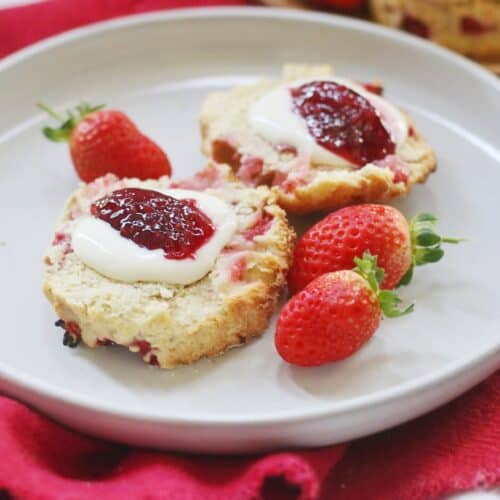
point(332, 243)
point(335, 315)
point(106, 141)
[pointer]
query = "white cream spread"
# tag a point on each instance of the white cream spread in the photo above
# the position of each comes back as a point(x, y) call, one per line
point(272, 117)
point(102, 248)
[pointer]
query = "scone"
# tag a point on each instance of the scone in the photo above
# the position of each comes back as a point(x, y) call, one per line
point(213, 284)
point(320, 142)
point(471, 27)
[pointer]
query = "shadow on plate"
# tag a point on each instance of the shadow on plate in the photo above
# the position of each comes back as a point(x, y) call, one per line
point(128, 369)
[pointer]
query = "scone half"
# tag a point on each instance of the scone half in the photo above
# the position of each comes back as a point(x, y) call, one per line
point(170, 324)
point(302, 183)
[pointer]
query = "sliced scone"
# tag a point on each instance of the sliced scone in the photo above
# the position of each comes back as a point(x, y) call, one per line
point(173, 271)
point(320, 141)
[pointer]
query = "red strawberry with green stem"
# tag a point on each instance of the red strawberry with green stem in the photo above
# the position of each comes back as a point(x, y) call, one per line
point(332, 243)
point(335, 315)
point(106, 141)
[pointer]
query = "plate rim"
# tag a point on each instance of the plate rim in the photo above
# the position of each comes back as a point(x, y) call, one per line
point(245, 11)
point(378, 398)
point(17, 378)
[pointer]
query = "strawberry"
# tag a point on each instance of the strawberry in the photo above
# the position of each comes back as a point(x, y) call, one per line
point(335, 315)
point(332, 243)
point(106, 141)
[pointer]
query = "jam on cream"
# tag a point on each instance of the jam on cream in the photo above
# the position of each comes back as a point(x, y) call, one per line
point(155, 220)
point(284, 116)
point(172, 236)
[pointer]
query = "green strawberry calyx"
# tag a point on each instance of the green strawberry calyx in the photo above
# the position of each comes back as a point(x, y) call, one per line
point(389, 301)
point(425, 243)
point(67, 122)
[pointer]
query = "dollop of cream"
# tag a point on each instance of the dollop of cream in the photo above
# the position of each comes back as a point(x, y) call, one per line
point(272, 117)
point(103, 249)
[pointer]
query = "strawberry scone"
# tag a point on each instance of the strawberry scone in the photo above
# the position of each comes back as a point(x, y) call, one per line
point(471, 27)
point(174, 271)
point(319, 141)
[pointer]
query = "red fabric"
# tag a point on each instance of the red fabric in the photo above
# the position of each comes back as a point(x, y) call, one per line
point(42, 460)
point(453, 449)
point(23, 25)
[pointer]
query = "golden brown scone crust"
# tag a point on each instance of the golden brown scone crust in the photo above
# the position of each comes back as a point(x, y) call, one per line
point(173, 324)
point(330, 190)
point(309, 188)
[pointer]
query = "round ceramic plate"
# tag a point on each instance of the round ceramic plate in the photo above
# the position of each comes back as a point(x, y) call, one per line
point(159, 68)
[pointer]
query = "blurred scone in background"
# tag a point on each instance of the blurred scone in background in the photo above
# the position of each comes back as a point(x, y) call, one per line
point(471, 27)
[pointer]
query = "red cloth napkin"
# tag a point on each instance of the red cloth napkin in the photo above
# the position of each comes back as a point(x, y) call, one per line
point(23, 25)
point(452, 449)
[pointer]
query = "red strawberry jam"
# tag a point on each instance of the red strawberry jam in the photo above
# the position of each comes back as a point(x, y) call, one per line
point(261, 226)
point(374, 88)
point(225, 151)
point(472, 26)
point(415, 26)
point(342, 121)
point(154, 220)
point(145, 350)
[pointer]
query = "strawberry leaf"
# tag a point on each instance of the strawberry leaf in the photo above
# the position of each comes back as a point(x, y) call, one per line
point(427, 238)
point(407, 277)
point(428, 255)
point(367, 268)
point(55, 134)
point(425, 217)
point(425, 243)
point(389, 302)
point(68, 123)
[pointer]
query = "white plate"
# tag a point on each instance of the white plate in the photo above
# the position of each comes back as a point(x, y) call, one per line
point(158, 68)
